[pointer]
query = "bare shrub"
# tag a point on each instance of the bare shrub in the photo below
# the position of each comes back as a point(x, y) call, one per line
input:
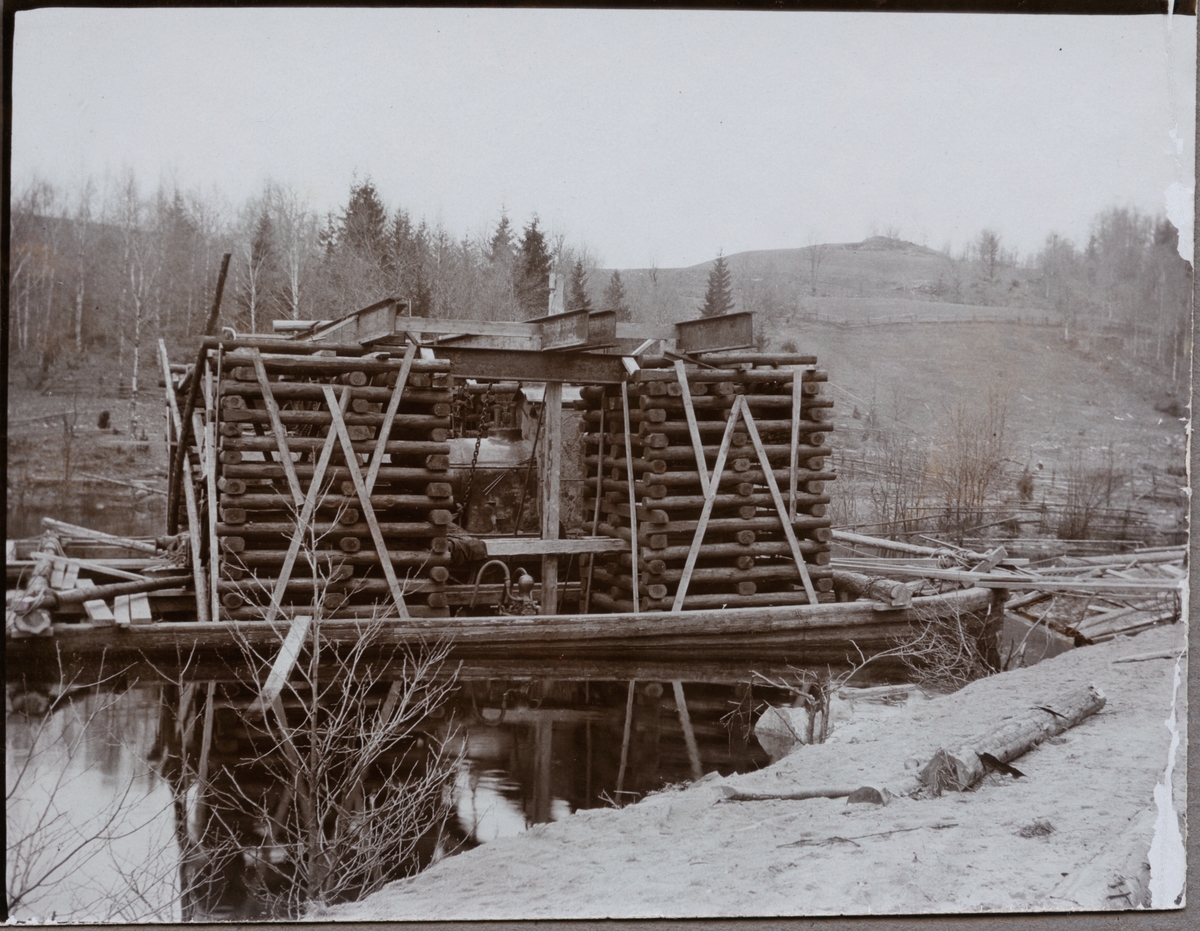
point(897, 485)
point(968, 459)
point(945, 651)
point(1089, 492)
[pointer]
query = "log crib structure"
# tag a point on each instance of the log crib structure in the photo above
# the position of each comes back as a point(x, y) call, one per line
point(384, 462)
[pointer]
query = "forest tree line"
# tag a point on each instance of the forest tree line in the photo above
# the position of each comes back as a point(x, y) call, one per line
point(106, 268)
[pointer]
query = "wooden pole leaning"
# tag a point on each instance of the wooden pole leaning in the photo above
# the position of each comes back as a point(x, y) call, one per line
point(702, 525)
point(633, 537)
point(689, 411)
point(784, 518)
point(797, 401)
point(189, 491)
point(389, 417)
point(364, 499)
point(277, 427)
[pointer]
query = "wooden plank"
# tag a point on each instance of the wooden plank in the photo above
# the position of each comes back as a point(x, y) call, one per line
point(551, 488)
point(633, 537)
point(285, 662)
point(534, 546)
point(139, 609)
point(702, 525)
point(780, 506)
point(58, 572)
point(205, 740)
point(277, 428)
point(368, 511)
point(693, 429)
point(96, 610)
point(389, 417)
point(121, 610)
point(306, 514)
point(193, 512)
point(428, 326)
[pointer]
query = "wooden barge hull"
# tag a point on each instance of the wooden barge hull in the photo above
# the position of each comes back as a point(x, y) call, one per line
point(838, 633)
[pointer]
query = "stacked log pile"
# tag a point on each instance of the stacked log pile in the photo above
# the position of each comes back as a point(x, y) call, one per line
point(744, 557)
point(284, 423)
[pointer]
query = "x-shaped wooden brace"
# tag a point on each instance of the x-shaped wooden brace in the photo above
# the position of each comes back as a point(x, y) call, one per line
point(740, 409)
point(308, 503)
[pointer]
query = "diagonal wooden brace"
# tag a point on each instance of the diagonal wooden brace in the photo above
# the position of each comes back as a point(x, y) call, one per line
point(285, 455)
point(388, 418)
point(780, 506)
point(690, 411)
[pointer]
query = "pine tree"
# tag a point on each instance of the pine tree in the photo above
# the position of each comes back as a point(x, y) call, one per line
point(533, 283)
point(500, 249)
point(577, 298)
point(364, 225)
point(614, 297)
point(718, 299)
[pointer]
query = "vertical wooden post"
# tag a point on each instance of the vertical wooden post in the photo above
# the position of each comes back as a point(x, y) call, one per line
point(633, 532)
point(551, 489)
point(797, 395)
point(586, 603)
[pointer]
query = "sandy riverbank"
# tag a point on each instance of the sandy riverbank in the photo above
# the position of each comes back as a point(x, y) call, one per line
point(684, 853)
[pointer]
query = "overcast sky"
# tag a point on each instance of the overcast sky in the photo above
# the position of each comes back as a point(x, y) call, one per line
point(648, 136)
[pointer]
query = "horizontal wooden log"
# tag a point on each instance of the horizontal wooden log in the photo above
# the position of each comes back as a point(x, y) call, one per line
point(287, 391)
point(758, 500)
point(534, 546)
point(324, 418)
point(312, 366)
point(261, 502)
point(307, 444)
point(690, 479)
point(816, 630)
point(775, 452)
point(270, 470)
point(813, 431)
point(1022, 729)
point(259, 559)
point(817, 553)
point(287, 528)
point(893, 594)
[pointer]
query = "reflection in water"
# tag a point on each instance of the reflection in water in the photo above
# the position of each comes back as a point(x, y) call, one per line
point(89, 825)
point(522, 751)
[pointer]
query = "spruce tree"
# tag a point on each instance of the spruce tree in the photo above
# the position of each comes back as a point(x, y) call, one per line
point(533, 283)
point(718, 299)
point(364, 225)
point(577, 298)
point(614, 297)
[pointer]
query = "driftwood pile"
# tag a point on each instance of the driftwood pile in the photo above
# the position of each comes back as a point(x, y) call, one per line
point(1087, 598)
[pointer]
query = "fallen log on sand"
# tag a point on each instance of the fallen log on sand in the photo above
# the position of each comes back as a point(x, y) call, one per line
point(962, 768)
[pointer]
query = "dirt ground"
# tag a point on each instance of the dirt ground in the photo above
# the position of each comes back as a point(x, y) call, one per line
point(1073, 833)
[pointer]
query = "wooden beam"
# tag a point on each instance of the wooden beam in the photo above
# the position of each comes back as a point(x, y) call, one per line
point(689, 735)
point(551, 468)
point(587, 587)
point(797, 399)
